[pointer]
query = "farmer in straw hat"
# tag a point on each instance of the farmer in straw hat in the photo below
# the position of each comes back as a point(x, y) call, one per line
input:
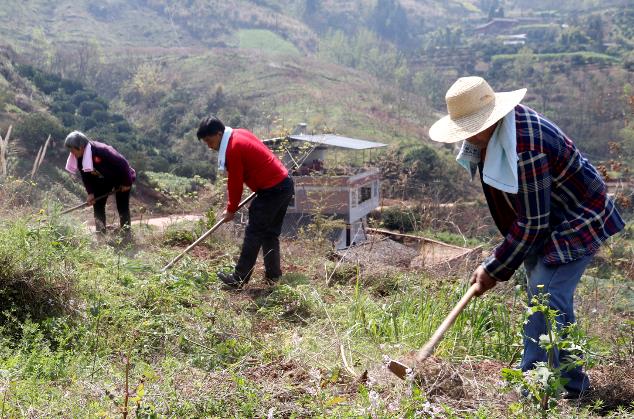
point(102, 169)
point(547, 200)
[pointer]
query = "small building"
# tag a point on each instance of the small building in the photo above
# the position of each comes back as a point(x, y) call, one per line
point(342, 192)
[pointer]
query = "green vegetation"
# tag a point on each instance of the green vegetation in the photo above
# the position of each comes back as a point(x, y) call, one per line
point(175, 185)
point(178, 345)
point(545, 383)
point(82, 109)
point(87, 330)
point(265, 41)
point(582, 57)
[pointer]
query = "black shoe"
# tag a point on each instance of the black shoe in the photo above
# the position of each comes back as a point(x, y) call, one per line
point(230, 280)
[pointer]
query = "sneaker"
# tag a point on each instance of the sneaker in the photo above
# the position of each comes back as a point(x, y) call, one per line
point(230, 281)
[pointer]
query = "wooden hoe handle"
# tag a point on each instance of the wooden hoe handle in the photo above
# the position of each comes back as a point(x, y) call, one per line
point(205, 235)
point(85, 204)
point(427, 350)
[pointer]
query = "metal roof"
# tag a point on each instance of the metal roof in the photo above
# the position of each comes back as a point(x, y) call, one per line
point(337, 141)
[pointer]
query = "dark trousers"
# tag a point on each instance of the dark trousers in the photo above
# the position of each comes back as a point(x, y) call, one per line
point(123, 207)
point(266, 216)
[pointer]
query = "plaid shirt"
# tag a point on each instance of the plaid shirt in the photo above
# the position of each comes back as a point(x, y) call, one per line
point(561, 210)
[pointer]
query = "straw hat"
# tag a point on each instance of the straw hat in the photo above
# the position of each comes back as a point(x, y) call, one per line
point(473, 107)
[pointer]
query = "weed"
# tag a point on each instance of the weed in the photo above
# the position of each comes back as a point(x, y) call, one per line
point(544, 384)
point(295, 304)
point(410, 317)
point(37, 271)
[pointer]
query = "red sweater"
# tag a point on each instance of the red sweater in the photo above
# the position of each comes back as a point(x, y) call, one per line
point(249, 161)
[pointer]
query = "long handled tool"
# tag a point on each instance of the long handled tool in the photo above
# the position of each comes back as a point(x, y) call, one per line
point(205, 235)
point(400, 369)
point(296, 164)
point(85, 204)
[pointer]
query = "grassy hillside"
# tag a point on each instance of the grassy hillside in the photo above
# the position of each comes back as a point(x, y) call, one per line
point(90, 328)
point(40, 24)
point(92, 331)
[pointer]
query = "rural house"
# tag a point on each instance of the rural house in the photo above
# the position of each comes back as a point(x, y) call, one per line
point(325, 188)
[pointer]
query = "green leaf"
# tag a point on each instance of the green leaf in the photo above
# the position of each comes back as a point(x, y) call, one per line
point(335, 400)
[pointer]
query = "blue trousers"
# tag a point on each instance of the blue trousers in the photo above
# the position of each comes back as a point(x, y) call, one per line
point(560, 282)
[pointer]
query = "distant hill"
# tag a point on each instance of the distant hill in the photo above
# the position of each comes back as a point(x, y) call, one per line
point(375, 69)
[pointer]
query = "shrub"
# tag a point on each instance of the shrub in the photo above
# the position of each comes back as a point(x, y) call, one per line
point(544, 384)
point(34, 128)
point(174, 185)
point(175, 236)
point(123, 127)
point(88, 123)
point(101, 116)
point(70, 86)
point(401, 219)
point(37, 275)
point(89, 107)
point(69, 120)
point(82, 96)
point(61, 106)
point(47, 83)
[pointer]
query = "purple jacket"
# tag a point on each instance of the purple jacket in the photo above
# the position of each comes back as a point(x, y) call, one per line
point(111, 168)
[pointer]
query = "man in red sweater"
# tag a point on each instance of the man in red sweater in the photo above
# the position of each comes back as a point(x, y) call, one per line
point(246, 160)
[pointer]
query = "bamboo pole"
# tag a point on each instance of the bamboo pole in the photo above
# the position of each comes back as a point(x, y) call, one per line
point(4, 145)
point(48, 140)
point(37, 158)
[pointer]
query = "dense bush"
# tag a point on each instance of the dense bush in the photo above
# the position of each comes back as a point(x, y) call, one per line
point(69, 120)
point(82, 96)
point(33, 130)
point(37, 271)
point(123, 127)
point(174, 185)
point(61, 106)
point(101, 116)
point(87, 108)
point(88, 123)
point(401, 219)
point(70, 86)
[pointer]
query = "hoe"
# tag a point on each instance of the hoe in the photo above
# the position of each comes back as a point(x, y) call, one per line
point(400, 369)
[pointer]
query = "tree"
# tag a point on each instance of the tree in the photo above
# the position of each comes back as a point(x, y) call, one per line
point(594, 29)
point(389, 21)
point(523, 63)
point(88, 107)
point(147, 85)
point(311, 7)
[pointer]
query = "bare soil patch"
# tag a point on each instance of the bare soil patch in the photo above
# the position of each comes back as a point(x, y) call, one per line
point(412, 253)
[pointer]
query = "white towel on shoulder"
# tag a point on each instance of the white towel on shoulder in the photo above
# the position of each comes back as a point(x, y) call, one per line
point(86, 161)
point(222, 152)
point(500, 164)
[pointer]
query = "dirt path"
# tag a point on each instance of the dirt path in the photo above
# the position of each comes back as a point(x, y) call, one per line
point(163, 222)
